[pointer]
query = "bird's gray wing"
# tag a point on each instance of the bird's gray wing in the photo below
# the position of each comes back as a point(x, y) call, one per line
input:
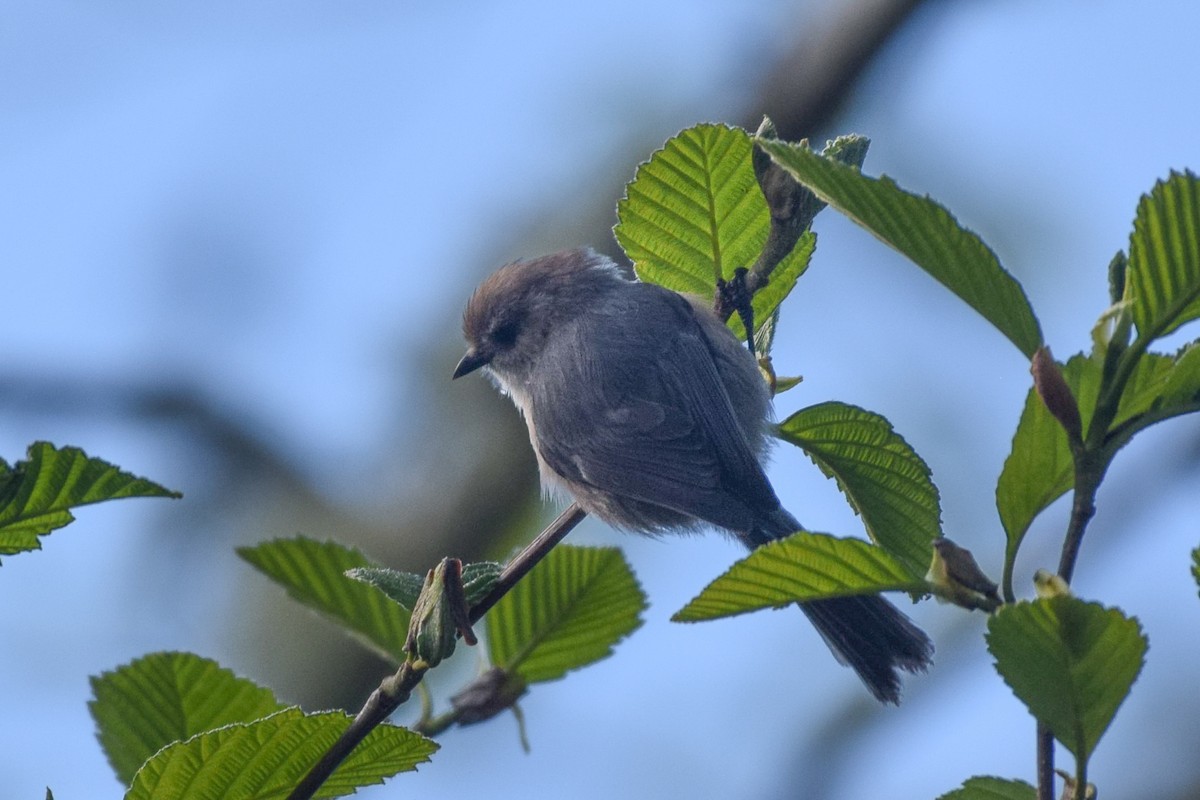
point(667, 434)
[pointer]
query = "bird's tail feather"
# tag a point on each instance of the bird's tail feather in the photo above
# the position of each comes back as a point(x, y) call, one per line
point(864, 631)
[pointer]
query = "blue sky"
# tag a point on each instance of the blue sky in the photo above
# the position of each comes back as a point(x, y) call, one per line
point(277, 203)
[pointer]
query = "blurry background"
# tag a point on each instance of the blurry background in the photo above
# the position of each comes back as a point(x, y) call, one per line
point(236, 240)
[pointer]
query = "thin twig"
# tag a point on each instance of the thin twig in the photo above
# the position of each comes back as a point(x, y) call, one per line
point(1045, 762)
point(392, 692)
point(1083, 508)
point(807, 86)
point(1088, 474)
point(397, 688)
point(528, 558)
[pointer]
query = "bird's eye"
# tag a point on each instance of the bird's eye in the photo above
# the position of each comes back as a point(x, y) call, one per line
point(506, 333)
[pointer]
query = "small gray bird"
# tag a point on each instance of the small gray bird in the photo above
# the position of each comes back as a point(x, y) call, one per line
point(645, 408)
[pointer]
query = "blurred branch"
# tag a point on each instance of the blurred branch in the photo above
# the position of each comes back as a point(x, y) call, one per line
point(247, 477)
point(240, 440)
point(808, 85)
point(248, 453)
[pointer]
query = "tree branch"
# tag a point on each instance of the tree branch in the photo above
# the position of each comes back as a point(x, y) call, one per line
point(528, 558)
point(1089, 471)
point(395, 690)
point(808, 85)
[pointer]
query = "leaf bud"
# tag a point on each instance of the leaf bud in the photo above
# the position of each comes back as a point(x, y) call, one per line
point(439, 615)
point(1055, 393)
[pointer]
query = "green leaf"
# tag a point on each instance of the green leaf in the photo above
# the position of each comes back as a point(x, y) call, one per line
point(1146, 386)
point(1160, 388)
point(569, 611)
point(161, 698)
point(314, 573)
point(1117, 269)
point(36, 494)
point(764, 336)
point(266, 758)
point(885, 481)
point(1070, 662)
point(850, 149)
point(924, 231)
point(1163, 277)
point(1040, 468)
point(989, 788)
point(405, 587)
point(1181, 386)
point(1196, 565)
point(804, 566)
point(694, 213)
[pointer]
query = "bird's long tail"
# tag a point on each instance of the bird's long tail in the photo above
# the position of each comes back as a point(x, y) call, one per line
point(864, 631)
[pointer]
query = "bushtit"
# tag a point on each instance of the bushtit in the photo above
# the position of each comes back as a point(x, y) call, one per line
point(645, 408)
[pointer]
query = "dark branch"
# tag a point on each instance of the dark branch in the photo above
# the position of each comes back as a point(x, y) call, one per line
point(395, 690)
point(809, 84)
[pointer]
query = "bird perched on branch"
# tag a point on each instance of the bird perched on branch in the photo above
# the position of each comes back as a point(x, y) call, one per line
point(645, 408)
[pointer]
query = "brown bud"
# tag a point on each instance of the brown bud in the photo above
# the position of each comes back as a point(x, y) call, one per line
point(488, 695)
point(1052, 388)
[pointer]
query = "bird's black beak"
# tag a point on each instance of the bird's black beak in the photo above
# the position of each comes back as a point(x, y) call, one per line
point(471, 361)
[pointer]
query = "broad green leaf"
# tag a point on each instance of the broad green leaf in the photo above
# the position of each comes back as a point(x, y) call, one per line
point(1163, 277)
point(569, 611)
point(314, 573)
point(1146, 386)
point(1070, 662)
point(35, 495)
point(1039, 468)
point(404, 587)
point(989, 788)
point(922, 230)
point(1160, 388)
point(694, 213)
point(804, 566)
point(885, 481)
point(265, 759)
point(161, 698)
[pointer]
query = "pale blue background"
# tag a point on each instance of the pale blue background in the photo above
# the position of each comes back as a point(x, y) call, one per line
point(285, 205)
